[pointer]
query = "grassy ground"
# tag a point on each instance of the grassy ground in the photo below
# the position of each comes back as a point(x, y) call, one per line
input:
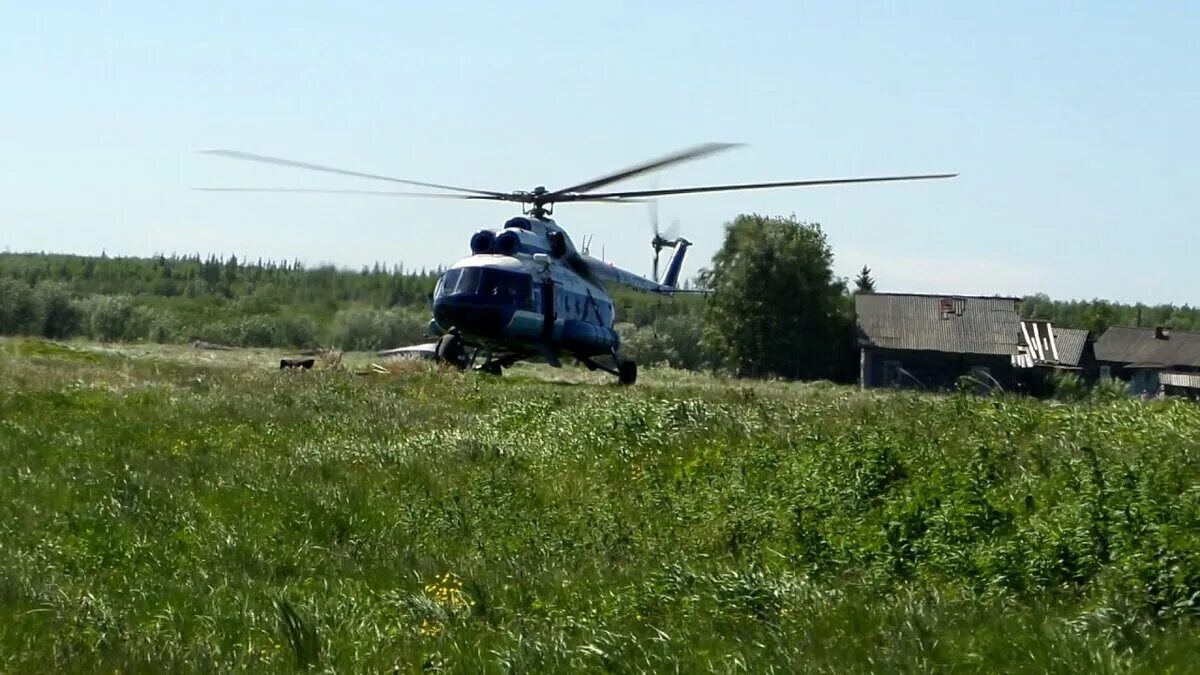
point(170, 509)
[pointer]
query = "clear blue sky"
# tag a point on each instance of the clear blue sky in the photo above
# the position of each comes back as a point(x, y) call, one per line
point(1073, 126)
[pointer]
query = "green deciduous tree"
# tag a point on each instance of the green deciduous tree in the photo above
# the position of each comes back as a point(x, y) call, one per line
point(110, 318)
point(61, 317)
point(777, 308)
point(19, 310)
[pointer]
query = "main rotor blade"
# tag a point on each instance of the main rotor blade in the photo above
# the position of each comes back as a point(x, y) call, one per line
point(375, 193)
point(617, 200)
point(516, 197)
point(694, 152)
point(744, 186)
point(237, 154)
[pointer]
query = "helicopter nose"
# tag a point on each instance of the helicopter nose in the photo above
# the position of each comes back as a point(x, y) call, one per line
point(471, 315)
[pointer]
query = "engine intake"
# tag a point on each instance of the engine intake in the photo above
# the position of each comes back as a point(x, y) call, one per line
point(482, 242)
point(508, 243)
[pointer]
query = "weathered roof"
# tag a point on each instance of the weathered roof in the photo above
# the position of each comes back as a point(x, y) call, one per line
point(1122, 344)
point(1071, 342)
point(1043, 344)
point(952, 324)
point(1185, 380)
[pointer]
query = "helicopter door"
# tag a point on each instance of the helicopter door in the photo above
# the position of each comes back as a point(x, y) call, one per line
point(547, 309)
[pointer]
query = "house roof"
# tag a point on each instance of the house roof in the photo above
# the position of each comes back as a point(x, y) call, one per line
point(939, 323)
point(1068, 344)
point(1184, 380)
point(1036, 348)
point(1071, 342)
point(1122, 344)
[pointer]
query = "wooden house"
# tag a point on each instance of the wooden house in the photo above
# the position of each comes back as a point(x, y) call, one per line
point(931, 341)
point(1155, 361)
point(1045, 351)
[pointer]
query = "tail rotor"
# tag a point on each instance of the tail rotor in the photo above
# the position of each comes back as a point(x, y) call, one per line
point(661, 239)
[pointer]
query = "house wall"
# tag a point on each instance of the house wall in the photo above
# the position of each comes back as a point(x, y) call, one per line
point(1089, 366)
point(1146, 382)
point(1141, 380)
point(931, 370)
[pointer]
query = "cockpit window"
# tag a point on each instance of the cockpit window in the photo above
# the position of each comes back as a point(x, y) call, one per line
point(468, 281)
point(516, 287)
point(445, 285)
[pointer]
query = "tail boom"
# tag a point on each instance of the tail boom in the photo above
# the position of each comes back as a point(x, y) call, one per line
point(670, 277)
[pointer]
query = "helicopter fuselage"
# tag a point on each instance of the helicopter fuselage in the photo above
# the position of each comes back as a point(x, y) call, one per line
point(517, 292)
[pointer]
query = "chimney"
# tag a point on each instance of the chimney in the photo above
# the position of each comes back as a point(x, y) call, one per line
point(1160, 333)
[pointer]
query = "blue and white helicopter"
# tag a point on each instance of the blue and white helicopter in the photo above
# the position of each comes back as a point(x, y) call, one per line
point(526, 292)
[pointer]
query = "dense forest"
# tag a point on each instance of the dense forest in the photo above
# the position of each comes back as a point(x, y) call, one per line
point(288, 305)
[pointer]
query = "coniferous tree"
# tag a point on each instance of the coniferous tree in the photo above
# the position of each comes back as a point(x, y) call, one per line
point(864, 282)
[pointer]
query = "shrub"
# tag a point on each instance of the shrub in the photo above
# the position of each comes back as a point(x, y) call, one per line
point(19, 310)
point(60, 316)
point(1068, 387)
point(274, 331)
point(156, 325)
point(646, 346)
point(258, 331)
point(110, 317)
point(370, 329)
point(262, 301)
point(1110, 390)
point(217, 333)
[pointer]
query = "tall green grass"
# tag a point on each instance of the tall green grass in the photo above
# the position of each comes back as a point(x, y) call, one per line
point(164, 514)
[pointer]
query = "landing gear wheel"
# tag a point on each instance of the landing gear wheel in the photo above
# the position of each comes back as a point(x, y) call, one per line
point(627, 372)
point(450, 349)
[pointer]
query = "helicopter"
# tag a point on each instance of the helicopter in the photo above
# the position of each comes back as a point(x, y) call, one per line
point(525, 292)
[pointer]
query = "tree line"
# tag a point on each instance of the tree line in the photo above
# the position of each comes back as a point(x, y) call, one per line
point(238, 303)
point(226, 301)
point(774, 308)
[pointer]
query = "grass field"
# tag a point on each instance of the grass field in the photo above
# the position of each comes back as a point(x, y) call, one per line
point(172, 510)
